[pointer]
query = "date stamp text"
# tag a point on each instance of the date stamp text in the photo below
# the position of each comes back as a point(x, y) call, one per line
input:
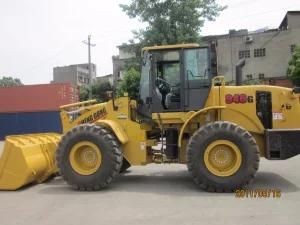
point(257, 193)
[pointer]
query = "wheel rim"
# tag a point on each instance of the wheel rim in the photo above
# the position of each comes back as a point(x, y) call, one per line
point(222, 158)
point(85, 158)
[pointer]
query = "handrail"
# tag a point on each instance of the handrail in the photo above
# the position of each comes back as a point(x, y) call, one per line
point(78, 104)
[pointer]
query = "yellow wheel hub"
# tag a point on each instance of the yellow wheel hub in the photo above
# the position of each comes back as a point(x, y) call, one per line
point(222, 158)
point(85, 158)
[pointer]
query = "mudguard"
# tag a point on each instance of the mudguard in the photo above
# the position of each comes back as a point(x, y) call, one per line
point(116, 128)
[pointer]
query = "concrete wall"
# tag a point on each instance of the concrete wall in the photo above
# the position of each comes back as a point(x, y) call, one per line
point(65, 74)
point(118, 64)
point(293, 20)
point(277, 46)
point(76, 74)
point(118, 67)
point(84, 68)
point(127, 54)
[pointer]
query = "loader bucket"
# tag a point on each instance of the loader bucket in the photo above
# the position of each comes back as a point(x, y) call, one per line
point(26, 159)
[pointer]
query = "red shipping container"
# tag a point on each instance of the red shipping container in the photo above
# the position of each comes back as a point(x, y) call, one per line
point(36, 98)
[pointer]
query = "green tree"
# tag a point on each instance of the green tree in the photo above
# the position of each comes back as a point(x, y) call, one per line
point(294, 67)
point(171, 21)
point(130, 84)
point(10, 82)
point(99, 92)
point(83, 93)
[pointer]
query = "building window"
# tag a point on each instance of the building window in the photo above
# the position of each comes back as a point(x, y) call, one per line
point(244, 54)
point(292, 48)
point(259, 52)
point(249, 76)
point(261, 76)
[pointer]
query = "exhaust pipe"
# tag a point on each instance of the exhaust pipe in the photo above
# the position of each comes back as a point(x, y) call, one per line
point(239, 72)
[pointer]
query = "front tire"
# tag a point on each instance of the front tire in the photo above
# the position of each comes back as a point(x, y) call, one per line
point(222, 157)
point(89, 157)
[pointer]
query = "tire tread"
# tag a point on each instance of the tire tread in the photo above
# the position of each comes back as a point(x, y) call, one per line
point(115, 155)
point(213, 127)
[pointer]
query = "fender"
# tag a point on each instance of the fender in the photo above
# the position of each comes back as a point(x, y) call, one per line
point(248, 123)
point(192, 117)
point(116, 128)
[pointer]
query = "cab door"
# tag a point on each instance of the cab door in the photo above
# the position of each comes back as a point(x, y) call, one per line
point(196, 78)
point(145, 95)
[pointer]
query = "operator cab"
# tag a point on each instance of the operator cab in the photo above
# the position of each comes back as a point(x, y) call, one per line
point(175, 78)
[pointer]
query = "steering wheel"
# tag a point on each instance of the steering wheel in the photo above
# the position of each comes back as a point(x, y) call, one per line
point(163, 86)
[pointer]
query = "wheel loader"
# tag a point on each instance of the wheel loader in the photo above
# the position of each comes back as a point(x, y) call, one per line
point(183, 115)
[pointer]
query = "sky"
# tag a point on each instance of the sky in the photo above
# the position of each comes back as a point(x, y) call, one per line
point(37, 35)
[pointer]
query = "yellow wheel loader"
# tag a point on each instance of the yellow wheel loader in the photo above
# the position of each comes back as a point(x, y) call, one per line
point(183, 115)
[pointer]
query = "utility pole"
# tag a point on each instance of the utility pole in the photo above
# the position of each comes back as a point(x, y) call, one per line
point(88, 43)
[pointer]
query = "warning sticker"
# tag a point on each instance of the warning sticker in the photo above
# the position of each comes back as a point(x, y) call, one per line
point(143, 145)
point(277, 116)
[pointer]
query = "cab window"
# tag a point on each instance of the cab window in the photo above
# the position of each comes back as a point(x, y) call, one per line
point(196, 65)
point(167, 80)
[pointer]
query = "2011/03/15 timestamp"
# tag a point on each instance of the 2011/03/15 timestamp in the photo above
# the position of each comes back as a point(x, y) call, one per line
point(257, 193)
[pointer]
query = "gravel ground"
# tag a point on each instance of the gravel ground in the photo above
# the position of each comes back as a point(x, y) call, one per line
point(157, 194)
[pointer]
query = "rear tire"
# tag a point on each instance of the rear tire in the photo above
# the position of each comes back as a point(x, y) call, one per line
point(106, 147)
point(244, 156)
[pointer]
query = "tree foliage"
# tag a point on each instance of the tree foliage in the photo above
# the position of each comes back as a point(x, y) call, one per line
point(83, 93)
point(99, 92)
point(171, 21)
point(130, 84)
point(10, 82)
point(294, 67)
point(133, 62)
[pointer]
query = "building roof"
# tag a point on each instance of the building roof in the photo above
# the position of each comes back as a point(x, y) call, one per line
point(284, 23)
point(161, 47)
point(107, 75)
point(243, 32)
point(76, 65)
